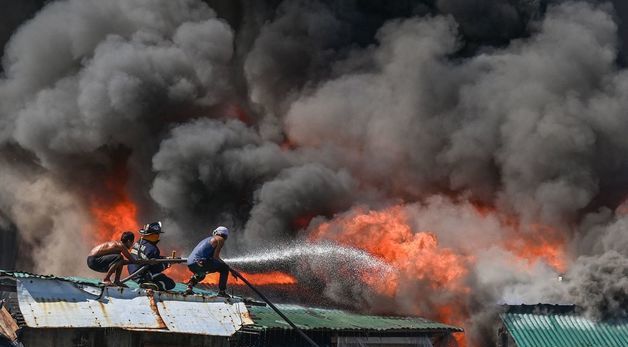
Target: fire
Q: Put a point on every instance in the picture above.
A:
(535, 242)
(424, 266)
(261, 279)
(417, 255)
(541, 243)
(111, 221)
(115, 212)
(181, 274)
(387, 235)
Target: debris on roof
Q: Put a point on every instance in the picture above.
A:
(561, 326)
(308, 318)
(8, 326)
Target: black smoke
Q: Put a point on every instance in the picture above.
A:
(265, 115)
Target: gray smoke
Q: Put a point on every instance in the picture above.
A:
(296, 113)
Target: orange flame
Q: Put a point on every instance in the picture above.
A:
(533, 243)
(181, 274)
(261, 279)
(111, 221)
(418, 256)
(115, 212)
(542, 243)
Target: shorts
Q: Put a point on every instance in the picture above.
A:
(103, 263)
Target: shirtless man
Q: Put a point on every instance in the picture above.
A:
(108, 257)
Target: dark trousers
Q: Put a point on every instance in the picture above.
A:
(163, 282)
(210, 266)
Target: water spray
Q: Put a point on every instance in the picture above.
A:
(315, 255)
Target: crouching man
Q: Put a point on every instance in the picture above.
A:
(110, 257)
(146, 249)
(205, 258)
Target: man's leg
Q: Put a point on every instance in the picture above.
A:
(117, 268)
(224, 275)
(223, 269)
(116, 279)
(198, 274)
(163, 282)
(109, 263)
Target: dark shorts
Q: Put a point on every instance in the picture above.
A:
(209, 266)
(103, 263)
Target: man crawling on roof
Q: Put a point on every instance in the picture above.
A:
(110, 257)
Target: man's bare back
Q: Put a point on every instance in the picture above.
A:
(111, 247)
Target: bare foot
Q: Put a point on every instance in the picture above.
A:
(107, 283)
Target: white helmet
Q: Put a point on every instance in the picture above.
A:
(222, 231)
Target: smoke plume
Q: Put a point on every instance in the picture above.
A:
(478, 149)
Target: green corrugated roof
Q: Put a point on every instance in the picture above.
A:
(564, 330)
(308, 318)
(180, 287)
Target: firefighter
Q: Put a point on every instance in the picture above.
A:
(205, 258)
(146, 248)
(109, 257)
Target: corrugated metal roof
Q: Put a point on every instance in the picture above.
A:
(308, 318)
(53, 303)
(185, 316)
(564, 330)
(179, 287)
(49, 305)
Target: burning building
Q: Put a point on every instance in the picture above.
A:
(428, 158)
(51, 311)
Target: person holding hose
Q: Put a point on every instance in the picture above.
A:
(205, 258)
(146, 249)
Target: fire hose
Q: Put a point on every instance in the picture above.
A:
(307, 338)
(149, 262)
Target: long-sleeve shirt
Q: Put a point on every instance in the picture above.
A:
(146, 250)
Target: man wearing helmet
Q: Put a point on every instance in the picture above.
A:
(205, 258)
(146, 248)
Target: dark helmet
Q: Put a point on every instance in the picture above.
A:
(152, 228)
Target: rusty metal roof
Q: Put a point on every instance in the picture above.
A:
(50, 301)
(54, 302)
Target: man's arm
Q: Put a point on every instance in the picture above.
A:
(126, 254)
(219, 243)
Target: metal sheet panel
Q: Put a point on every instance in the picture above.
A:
(54, 303)
(308, 318)
(198, 315)
(60, 304)
(564, 330)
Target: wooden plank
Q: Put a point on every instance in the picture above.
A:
(8, 326)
